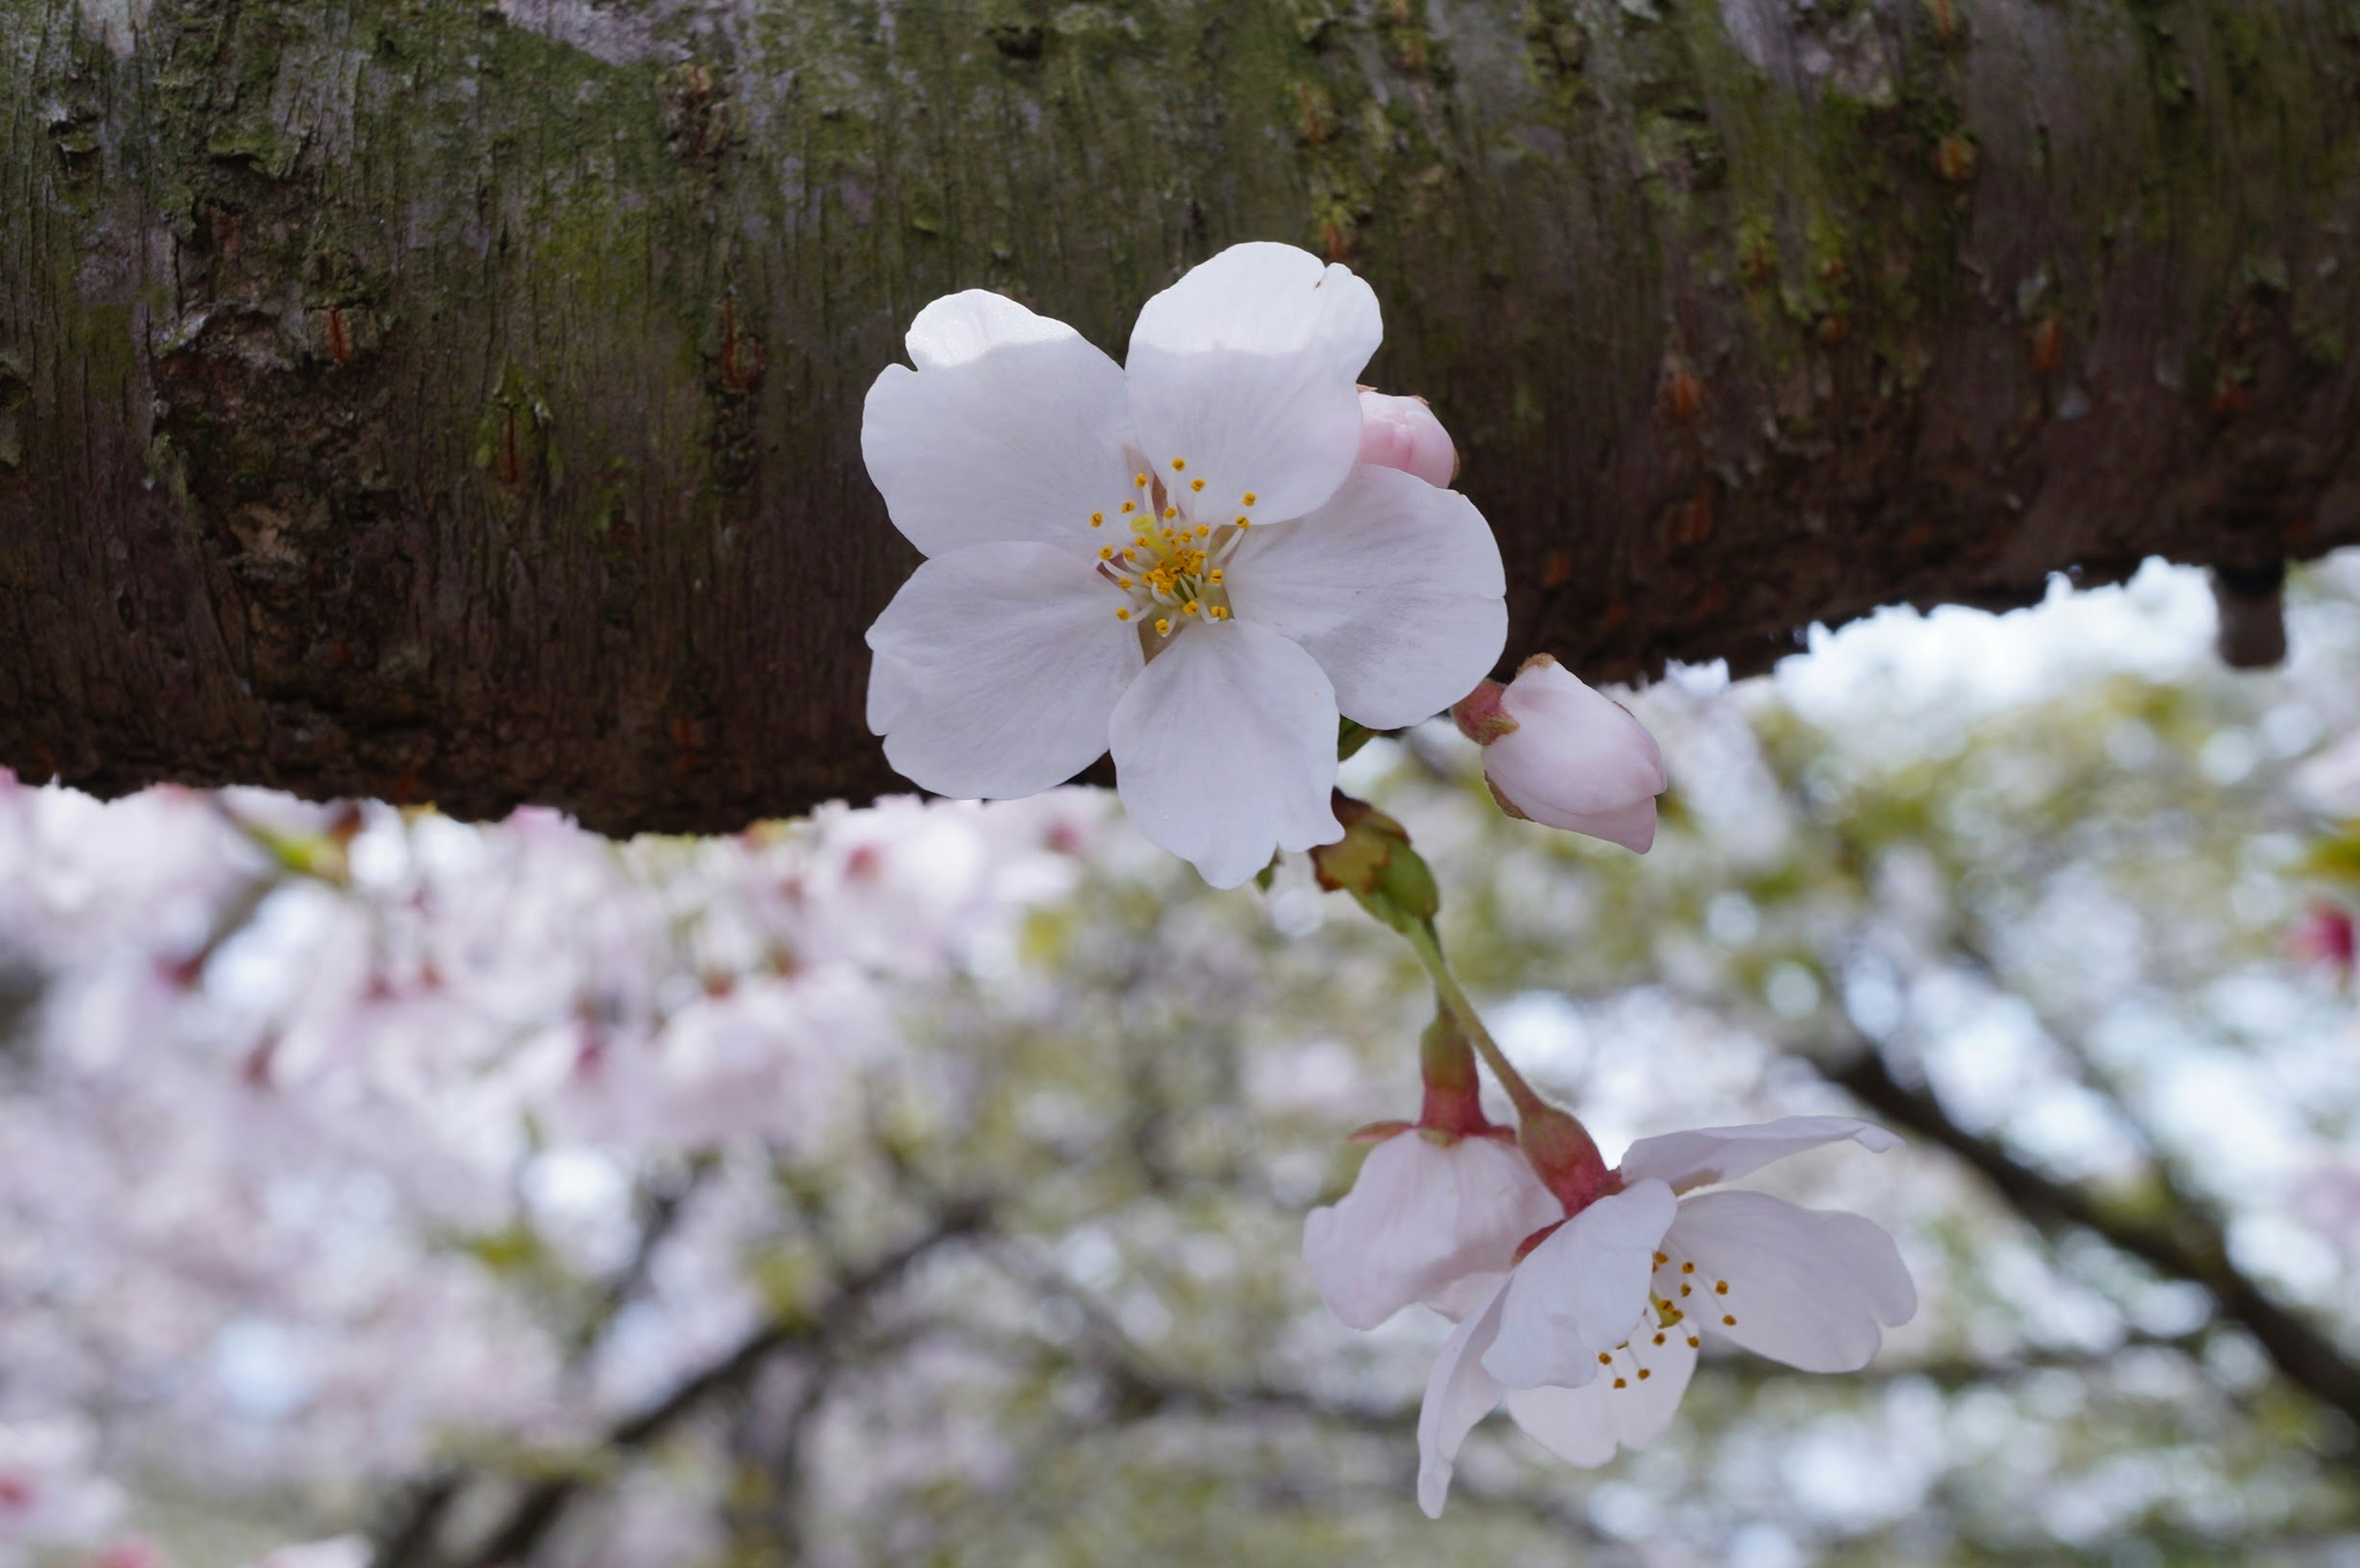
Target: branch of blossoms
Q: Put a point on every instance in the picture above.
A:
(1224, 563)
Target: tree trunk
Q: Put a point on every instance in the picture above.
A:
(461, 401)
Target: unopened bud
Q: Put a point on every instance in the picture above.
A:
(1557, 753)
(1402, 432)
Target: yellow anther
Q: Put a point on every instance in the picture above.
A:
(1106, 552)
(1684, 1289)
(1178, 464)
(1162, 626)
(1604, 1359)
(1659, 1339)
(1621, 1382)
(1643, 1373)
(1727, 1321)
(1243, 524)
(1128, 507)
(1721, 1288)
(1189, 608)
(1122, 582)
(1688, 1267)
(1203, 529)
(1139, 480)
(1694, 1342)
(1195, 485)
(1250, 497)
(1215, 578)
(1097, 519)
(1661, 1260)
(1123, 614)
(1220, 613)
(1170, 513)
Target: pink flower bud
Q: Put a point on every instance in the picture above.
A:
(1402, 432)
(1557, 753)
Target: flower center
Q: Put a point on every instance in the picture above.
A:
(1171, 568)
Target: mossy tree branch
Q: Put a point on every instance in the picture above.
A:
(460, 402)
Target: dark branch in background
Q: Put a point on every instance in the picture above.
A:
(2190, 1249)
(533, 1515)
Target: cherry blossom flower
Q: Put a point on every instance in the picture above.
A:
(1432, 1217)
(1402, 432)
(1181, 560)
(1557, 753)
(1593, 1336)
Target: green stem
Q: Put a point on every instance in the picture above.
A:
(1428, 948)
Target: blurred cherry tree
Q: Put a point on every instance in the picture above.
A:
(926, 1183)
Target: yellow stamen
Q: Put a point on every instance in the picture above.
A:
(1163, 627)
(1727, 1321)
(1128, 507)
(1203, 529)
(1721, 1288)
(1661, 1260)
(1659, 1339)
(1624, 1382)
(1694, 1342)
(1122, 582)
(1250, 497)
(1604, 1359)
(1216, 579)
(1195, 485)
(1106, 552)
(1139, 480)
(1688, 1267)
(1643, 1373)
(1170, 513)
(1189, 608)
(1097, 519)
(1178, 464)
(1684, 1289)
(1123, 614)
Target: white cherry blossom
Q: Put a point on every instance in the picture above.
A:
(1593, 1336)
(1429, 1216)
(1181, 560)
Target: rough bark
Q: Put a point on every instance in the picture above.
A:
(460, 402)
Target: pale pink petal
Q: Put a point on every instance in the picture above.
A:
(1467, 1292)
(1577, 759)
(1808, 1287)
(1245, 371)
(1421, 1216)
(2329, 782)
(1393, 586)
(1458, 1393)
(1704, 1155)
(1402, 432)
(1580, 1293)
(1012, 426)
(1225, 749)
(997, 669)
(1627, 1406)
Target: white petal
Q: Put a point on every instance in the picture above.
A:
(1584, 1426)
(1393, 586)
(1247, 370)
(1420, 1217)
(1403, 432)
(997, 668)
(1808, 1287)
(1012, 426)
(1466, 1293)
(1577, 758)
(1225, 749)
(1686, 1160)
(1459, 1394)
(1582, 1291)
